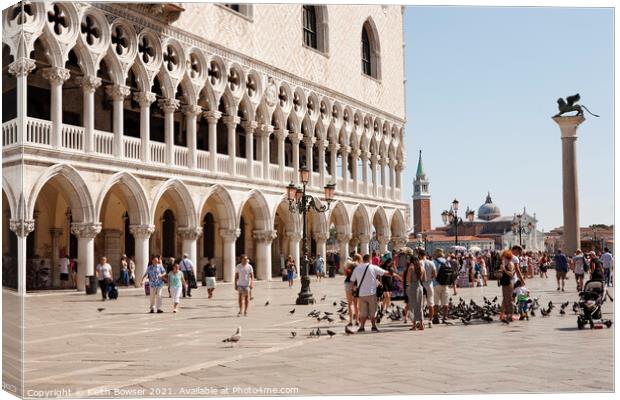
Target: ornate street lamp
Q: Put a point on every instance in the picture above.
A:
(452, 218)
(519, 228)
(300, 202)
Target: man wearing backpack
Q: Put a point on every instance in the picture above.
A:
(446, 276)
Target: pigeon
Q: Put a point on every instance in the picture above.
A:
(342, 318)
(267, 303)
(292, 311)
(293, 334)
(100, 309)
(551, 306)
(348, 331)
(330, 333)
(324, 297)
(330, 319)
(506, 321)
(494, 299)
(234, 338)
(544, 312)
(318, 332)
(335, 304)
(532, 313)
(328, 313)
(465, 322)
(487, 318)
(562, 312)
(311, 334)
(447, 322)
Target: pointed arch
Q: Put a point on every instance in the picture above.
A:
(380, 221)
(8, 191)
(225, 205)
(181, 196)
(138, 207)
(398, 227)
(341, 217)
(260, 210)
(360, 212)
(371, 49)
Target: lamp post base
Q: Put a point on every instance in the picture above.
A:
(305, 295)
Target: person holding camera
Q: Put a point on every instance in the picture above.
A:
(364, 282)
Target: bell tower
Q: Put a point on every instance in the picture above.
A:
(421, 200)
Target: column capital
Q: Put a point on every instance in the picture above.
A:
(249, 126)
(374, 158)
(212, 116)
(87, 230)
(363, 237)
(168, 105)
(118, 92)
(321, 236)
(22, 227)
(355, 152)
(231, 120)
(230, 234)
(265, 130)
(392, 162)
(309, 140)
(334, 146)
(294, 236)
(568, 125)
(321, 143)
(343, 237)
(145, 99)
(345, 149)
(190, 232)
(56, 75)
(191, 109)
(382, 160)
(383, 240)
(281, 133)
(142, 231)
(22, 66)
(400, 166)
(365, 155)
(90, 83)
(295, 138)
(399, 241)
(265, 236)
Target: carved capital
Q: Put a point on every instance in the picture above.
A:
(355, 152)
(168, 105)
(374, 158)
(383, 240)
(364, 238)
(192, 109)
(399, 241)
(212, 116)
(294, 236)
(142, 231)
(118, 92)
(56, 75)
(309, 140)
(265, 236)
(145, 99)
(249, 127)
(230, 235)
(85, 229)
(22, 66)
(321, 236)
(21, 227)
(264, 130)
(343, 237)
(383, 161)
(190, 233)
(230, 120)
(295, 138)
(345, 149)
(365, 155)
(281, 134)
(334, 147)
(90, 83)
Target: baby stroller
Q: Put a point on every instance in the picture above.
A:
(590, 302)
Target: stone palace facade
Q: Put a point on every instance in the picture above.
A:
(175, 128)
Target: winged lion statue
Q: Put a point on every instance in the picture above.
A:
(569, 105)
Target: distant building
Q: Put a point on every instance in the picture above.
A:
(421, 200)
(592, 238)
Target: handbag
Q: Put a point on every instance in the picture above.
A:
(356, 292)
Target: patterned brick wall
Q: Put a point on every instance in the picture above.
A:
(421, 215)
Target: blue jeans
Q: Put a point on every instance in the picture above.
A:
(522, 307)
(125, 277)
(608, 276)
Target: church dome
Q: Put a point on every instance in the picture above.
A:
(488, 210)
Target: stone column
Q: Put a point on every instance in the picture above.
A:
(281, 135)
(264, 238)
(231, 123)
(343, 242)
(118, 93)
(86, 233)
(345, 150)
(141, 235)
(21, 68)
(333, 148)
(89, 86)
(21, 228)
(364, 241)
(229, 236)
(293, 241)
(392, 165)
(54, 273)
(145, 99)
(398, 241)
(212, 118)
(249, 127)
(56, 77)
(309, 141)
(374, 159)
(383, 162)
(570, 189)
(399, 170)
(321, 148)
(383, 244)
(295, 138)
(321, 243)
(191, 112)
(169, 106)
(190, 236)
(364, 156)
(354, 155)
(265, 135)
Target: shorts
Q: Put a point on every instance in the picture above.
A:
(210, 282)
(367, 306)
(175, 294)
(243, 290)
(560, 274)
(441, 295)
(430, 293)
(64, 277)
(290, 275)
(579, 276)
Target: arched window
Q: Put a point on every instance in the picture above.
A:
(168, 234)
(371, 65)
(315, 28)
(240, 243)
(208, 229)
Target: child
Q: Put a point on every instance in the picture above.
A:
(175, 280)
(523, 300)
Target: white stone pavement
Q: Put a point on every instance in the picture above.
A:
(123, 350)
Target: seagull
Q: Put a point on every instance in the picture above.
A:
(100, 309)
(348, 331)
(330, 333)
(234, 338)
(292, 311)
(267, 303)
(293, 334)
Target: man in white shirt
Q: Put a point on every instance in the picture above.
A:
(104, 276)
(63, 264)
(364, 277)
(516, 261)
(244, 282)
(608, 265)
(187, 267)
(431, 274)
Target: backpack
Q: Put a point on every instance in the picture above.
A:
(446, 275)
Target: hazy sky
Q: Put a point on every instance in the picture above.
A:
(482, 85)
